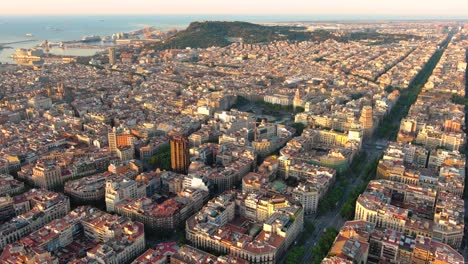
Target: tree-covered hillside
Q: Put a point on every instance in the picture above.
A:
(221, 33)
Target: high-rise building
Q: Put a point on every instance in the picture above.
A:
(179, 154)
(297, 101)
(366, 120)
(111, 56)
(121, 143)
(112, 139)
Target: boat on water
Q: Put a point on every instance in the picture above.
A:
(53, 29)
(29, 35)
(91, 38)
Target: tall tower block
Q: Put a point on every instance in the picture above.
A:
(179, 154)
(111, 56)
(367, 121)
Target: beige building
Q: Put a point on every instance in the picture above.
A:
(308, 196)
(366, 120)
(47, 175)
(279, 99)
(9, 185)
(282, 223)
(115, 239)
(38, 208)
(420, 211)
(449, 220)
(112, 56)
(432, 138)
(118, 189)
(362, 242)
(168, 214)
(88, 189)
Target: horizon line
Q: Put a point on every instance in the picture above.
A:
(431, 16)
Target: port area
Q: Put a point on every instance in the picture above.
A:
(17, 42)
(5, 44)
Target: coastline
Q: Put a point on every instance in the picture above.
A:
(73, 29)
(79, 47)
(76, 47)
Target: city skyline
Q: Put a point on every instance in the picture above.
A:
(233, 132)
(450, 8)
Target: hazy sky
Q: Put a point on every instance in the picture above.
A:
(340, 7)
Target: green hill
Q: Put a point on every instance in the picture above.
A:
(219, 33)
(216, 33)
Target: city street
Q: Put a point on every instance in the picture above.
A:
(333, 218)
